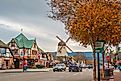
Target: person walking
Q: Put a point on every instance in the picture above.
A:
(115, 66)
(25, 65)
(119, 67)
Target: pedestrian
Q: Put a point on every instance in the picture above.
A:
(115, 66)
(25, 65)
(119, 67)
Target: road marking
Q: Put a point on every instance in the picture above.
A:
(76, 74)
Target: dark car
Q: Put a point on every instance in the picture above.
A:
(74, 68)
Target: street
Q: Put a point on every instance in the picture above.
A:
(86, 75)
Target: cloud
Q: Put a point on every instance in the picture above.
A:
(31, 16)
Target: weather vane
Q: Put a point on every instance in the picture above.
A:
(21, 30)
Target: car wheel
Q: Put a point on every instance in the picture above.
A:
(77, 70)
(80, 70)
(69, 70)
(53, 70)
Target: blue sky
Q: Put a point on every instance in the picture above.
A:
(31, 16)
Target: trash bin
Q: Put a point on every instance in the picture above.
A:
(111, 71)
(107, 72)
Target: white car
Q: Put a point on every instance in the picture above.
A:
(59, 67)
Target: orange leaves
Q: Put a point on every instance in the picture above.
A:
(92, 19)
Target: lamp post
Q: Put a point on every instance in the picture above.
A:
(23, 57)
(99, 45)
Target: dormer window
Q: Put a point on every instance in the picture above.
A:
(12, 44)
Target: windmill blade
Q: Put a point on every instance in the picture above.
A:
(69, 48)
(60, 39)
(60, 49)
(68, 39)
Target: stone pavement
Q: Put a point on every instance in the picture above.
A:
(28, 70)
(117, 76)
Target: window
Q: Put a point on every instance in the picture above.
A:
(12, 44)
(34, 52)
(2, 51)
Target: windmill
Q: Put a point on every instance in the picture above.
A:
(62, 48)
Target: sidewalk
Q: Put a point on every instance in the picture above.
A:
(117, 76)
(28, 70)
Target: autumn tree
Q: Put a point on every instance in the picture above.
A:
(89, 20)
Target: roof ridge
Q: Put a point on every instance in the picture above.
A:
(23, 41)
(21, 34)
(2, 44)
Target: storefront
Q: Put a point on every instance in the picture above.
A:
(1, 62)
(6, 58)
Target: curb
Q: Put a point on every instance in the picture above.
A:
(21, 70)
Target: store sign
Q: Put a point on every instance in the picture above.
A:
(99, 46)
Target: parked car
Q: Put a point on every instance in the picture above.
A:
(75, 68)
(59, 67)
(89, 66)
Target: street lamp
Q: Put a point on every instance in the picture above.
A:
(99, 46)
(23, 57)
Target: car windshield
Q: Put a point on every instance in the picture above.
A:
(59, 65)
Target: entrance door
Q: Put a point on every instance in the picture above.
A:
(7, 64)
(16, 63)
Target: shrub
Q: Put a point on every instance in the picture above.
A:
(34, 67)
(40, 66)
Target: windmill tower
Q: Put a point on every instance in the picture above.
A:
(62, 49)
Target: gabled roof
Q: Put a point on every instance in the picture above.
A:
(23, 42)
(3, 45)
(40, 50)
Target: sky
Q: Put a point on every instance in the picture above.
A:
(31, 16)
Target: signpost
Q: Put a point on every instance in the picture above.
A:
(99, 45)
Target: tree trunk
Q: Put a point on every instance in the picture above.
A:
(94, 65)
(92, 42)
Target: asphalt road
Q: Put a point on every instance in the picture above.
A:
(86, 75)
